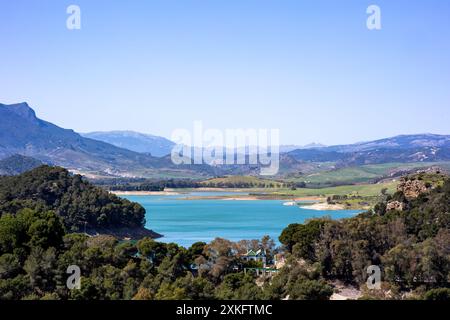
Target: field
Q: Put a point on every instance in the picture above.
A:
(363, 174)
(362, 196)
(363, 190)
(241, 181)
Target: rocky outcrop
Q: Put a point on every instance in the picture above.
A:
(395, 205)
(412, 188)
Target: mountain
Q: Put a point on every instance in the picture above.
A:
(317, 155)
(134, 141)
(22, 132)
(313, 145)
(17, 164)
(414, 141)
(403, 149)
(291, 147)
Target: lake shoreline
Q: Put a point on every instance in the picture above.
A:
(323, 206)
(316, 203)
(229, 197)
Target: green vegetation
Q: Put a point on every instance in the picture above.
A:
(411, 246)
(361, 190)
(241, 182)
(363, 174)
(35, 252)
(432, 180)
(440, 294)
(79, 203)
(142, 184)
(38, 210)
(353, 202)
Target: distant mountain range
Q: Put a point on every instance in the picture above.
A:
(134, 141)
(131, 154)
(288, 148)
(404, 149)
(160, 146)
(414, 141)
(21, 132)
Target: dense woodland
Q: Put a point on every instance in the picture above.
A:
(76, 201)
(141, 184)
(412, 246)
(38, 210)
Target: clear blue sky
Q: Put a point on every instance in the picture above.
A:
(310, 68)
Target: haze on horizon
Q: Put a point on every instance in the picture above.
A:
(311, 69)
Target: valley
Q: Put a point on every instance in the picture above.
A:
(133, 155)
(224, 157)
(114, 194)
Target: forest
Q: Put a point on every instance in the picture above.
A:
(41, 209)
(76, 201)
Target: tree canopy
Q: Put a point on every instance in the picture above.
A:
(78, 202)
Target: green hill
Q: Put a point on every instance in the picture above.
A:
(81, 205)
(364, 174)
(409, 242)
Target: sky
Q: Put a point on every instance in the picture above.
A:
(311, 69)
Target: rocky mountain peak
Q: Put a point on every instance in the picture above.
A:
(21, 109)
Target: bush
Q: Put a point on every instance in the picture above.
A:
(441, 294)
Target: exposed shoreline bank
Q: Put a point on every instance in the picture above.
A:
(323, 206)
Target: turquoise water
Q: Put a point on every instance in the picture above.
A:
(187, 221)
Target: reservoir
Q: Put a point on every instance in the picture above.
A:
(187, 221)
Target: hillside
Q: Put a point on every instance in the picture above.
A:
(399, 153)
(402, 149)
(320, 257)
(82, 206)
(21, 132)
(398, 142)
(365, 174)
(17, 164)
(134, 141)
(410, 243)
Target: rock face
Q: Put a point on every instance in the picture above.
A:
(411, 188)
(395, 205)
